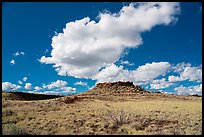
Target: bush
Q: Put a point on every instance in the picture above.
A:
(120, 119)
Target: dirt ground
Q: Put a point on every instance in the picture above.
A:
(139, 114)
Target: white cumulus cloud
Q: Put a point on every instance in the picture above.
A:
(86, 46)
(173, 78)
(112, 73)
(192, 73)
(150, 71)
(160, 84)
(12, 62)
(190, 90)
(28, 86)
(126, 62)
(58, 87)
(142, 75)
(25, 78)
(180, 67)
(37, 88)
(81, 83)
(7, 86)
(57, 84)
(187, 72)
(18, 53)
(20, 82)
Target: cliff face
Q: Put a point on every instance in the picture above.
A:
(116, 87)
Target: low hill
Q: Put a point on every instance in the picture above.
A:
(26, 96)
(118, 108)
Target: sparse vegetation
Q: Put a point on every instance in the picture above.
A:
(12, 129)
(104, 113)
(119, 119)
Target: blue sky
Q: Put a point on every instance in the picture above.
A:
(162, 51)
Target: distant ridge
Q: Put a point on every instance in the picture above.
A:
(27, 96)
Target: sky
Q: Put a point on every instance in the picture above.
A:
(66, 48)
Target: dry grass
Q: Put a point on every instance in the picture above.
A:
(12, 129)
(138, 114)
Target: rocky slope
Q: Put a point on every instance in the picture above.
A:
(116, 87)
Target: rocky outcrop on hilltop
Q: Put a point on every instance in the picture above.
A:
(116, 87)
(115, 84)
